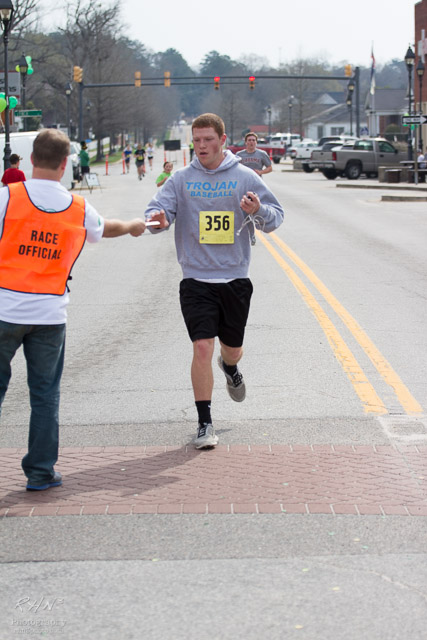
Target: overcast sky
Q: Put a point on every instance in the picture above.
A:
(277, 30)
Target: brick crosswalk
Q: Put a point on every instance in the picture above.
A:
(304, 479)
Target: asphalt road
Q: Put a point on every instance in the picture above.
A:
(335, 354)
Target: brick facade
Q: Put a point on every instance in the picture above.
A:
(420, 24)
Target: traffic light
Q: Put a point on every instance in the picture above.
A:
(251, 82)
(78, 74)
(137, 78)
(347, 70)
(216, 82)
(167, 78)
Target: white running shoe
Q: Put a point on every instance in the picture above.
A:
(235, 384)
(205, 436)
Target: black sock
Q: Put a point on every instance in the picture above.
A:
(230, 368)
(204, 411)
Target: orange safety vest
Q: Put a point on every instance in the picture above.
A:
(39, 248)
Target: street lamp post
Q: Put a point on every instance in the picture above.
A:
(290, 105)
(350, 110)
(350, 87)
(6, 14)
(68, 90)
(409, 61)
(88, 108)
(269, 120)
(420, 73)
(23, 68)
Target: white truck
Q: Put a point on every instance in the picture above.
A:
(22, 144)
(284, 141)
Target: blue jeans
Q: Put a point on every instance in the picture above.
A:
(44, 347)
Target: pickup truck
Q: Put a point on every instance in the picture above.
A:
(364, 156)
(275, 153)
(326, 144)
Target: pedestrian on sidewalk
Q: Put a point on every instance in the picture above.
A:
(166, 173)
(84, 158)
(213, 202)
(43, 229)
(254, 158)
(13, 173)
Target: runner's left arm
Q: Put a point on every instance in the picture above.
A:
(262, 202)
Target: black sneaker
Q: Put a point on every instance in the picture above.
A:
(235, 383)
(205, 436)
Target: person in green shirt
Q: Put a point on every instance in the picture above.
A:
(84, 158)
(167, 170)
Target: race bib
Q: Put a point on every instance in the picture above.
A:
(216, 227)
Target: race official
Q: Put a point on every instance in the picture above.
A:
(43, 229)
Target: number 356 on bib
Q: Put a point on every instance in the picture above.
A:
(216, 227)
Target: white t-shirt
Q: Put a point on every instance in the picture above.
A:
(34, 308)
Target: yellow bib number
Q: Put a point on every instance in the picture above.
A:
(216, 227)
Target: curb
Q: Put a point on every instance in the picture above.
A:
(381, 186)
(403, 198)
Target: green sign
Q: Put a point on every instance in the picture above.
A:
(28, 113)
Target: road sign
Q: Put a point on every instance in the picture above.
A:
(416, 119)
(28, 113)
(14, 82)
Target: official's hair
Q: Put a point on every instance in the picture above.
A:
(251, 133)
(209, 120)
(50, 148)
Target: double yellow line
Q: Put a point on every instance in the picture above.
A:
(371, 402)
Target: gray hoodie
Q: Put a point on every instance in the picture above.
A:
(194, 189)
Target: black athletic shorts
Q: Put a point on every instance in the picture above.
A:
(216, 309)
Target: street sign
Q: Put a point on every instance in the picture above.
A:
(14, 82)
(28, 113)
(416, 119)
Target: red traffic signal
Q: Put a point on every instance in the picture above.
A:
(251, 82)
(216, 82)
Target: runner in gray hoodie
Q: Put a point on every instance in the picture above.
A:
(215, 203)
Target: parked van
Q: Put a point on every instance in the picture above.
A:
(22, 144)
(285, 139)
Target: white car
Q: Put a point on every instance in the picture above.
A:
(302, 150)
(75, 159)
